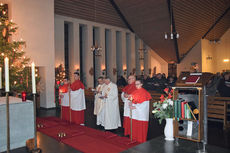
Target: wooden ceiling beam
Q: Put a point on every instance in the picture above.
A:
(121, 15)
(217, 21)
(174, 30)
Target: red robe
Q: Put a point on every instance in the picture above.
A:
(140, 115)
(64, 88)
(129, 88)
(65, 114)
(77, 116)
(77, 85)
(126, 120)
(140, 95)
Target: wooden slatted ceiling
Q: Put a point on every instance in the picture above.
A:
(220, 28)
(93, 10)
(149, 20)
(193, 18)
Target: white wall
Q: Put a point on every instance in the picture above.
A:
(193, 56)
(208, 56)
(156, 61)
(35, 20)
(222, 51)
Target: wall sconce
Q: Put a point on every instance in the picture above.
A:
(125, 71)
(226, 60)
(96, 49)
(150, 71)
(104, 72)
(142, 51)
(217, 41)
(142, 72)
(209, 57)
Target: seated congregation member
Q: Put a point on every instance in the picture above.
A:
(211, 87)
(140, 112)
(77, 96)
(194, 67)
(126, 92)
(121, 82)
(99, 102)
(111, 107)
(64, 94)
(170, 82)
(224, 85)
(159, 83)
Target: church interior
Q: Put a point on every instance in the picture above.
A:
(61, 61)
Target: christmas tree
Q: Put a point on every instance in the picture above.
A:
(19, 66)
(59, 77)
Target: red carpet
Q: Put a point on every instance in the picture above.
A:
(83, 138)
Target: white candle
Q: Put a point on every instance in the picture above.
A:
(7, 87)
(33, 78)
(0, 78)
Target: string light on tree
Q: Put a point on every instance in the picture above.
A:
(14, 50)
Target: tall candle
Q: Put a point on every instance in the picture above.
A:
(7, 87)
(0, 78)
(33, 78)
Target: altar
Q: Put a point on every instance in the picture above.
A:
(21, 122)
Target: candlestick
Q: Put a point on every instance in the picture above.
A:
(7, 88)
(0, 78)
(33, 78)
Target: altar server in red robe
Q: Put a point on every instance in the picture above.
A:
(126, 91)
(77, 96)
(64, 94)
(140, 112)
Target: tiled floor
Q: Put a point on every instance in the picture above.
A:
(218, 139)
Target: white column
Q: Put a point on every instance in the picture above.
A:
(102, 43)
(74, 56)
(146, 60)
(97, 58)
(113, 56)
(128, 53)
(141, 61)
(59, 41)
(109, 68)
(88, 57)
(133, 54)
(119, 54)
(123, 48)
(137, 47)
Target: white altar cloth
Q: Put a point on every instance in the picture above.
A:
(21, 122)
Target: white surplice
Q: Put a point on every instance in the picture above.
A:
(99, 104)
(111, 107)
(78, 100)
(65, 99)
(126, 105)
(141, 113)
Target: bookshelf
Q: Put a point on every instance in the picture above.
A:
(194, 131)
(189, 128)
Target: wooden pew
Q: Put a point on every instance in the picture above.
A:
(217, 109)
(155, 98)
(89, 95)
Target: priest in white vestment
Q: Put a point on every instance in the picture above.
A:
(111, 107)
(99, 101)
